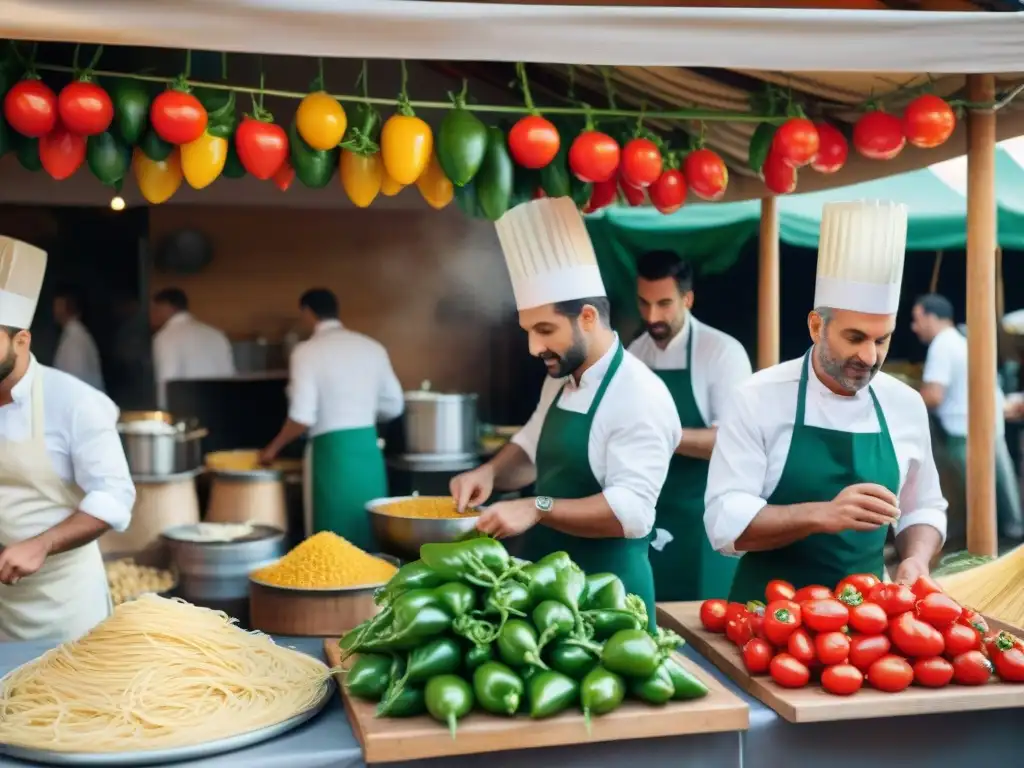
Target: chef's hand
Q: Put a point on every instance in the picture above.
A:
(860, 507)
(508, 518)
(22, 559)
(473, 488)
(910, 570)
(267, 456)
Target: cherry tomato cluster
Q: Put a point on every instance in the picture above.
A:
(927, 122)
(888, 635)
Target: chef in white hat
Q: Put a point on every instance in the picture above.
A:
(64, 480)
(816, 457)
(601, 439)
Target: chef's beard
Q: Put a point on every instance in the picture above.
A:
(570, 360)
(7, 364)
(850, 374)
(660, 331)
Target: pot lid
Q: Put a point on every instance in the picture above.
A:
(425, 395)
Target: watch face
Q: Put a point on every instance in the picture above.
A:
(545, 503)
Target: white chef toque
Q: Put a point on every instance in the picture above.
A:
(548, 253)
(22, 267)
(860, 256)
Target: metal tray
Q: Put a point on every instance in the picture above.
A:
(173, 754)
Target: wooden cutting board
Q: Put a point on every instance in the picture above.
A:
(812, 704)
(387, 740)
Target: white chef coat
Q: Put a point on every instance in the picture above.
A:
(188, 349)
(754, 437)
(720, 363)
(77, 354)
(634, 434)
(946, 365)
(341, 379)
(81, 439)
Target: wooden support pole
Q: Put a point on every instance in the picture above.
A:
(982, 538)
(768, 285)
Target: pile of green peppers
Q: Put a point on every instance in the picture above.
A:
(468, 627)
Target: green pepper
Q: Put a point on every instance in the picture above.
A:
(429, 621)
(553, 620)
(478, 655)
(478, 631)
(313, 168)
(233, 168)
(605, 623)
(555, 176)
(511, 597)
(517, 645)
(604, 591)
(480, 562)
(456, 598)
(631, 652)
(449, 697)
(460, 145)
(495, 178)
(369, 676)
(6, 139)
(686, 685)
(498, 689)
(414, 575)
(556, 577)
(571, 660)
(131, 100)
(27, 152)
(657, 688)
(760, 144)
(465, 198)
(109, 158)
(600, 692)
(155, 148)
(440, 656)
(409, 703)
(551, 692)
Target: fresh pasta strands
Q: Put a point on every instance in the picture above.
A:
(995, 588)
(157, 674)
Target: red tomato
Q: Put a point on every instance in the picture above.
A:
(779, 177)
(827, 615)
(668, 193)
(960, 639)
(842, 679)
(938, 609)
(634, 195)
(973, 620)
(832, 648)
(934, 672)
(778, 589)
(30, 107)
(641, 163)
(179, 118)
(1007, 654)
(735, 610)
(861, 582)
(914, 637)
(924, 586)
(928, 121)
(796, 142)
(262, 147)
(801, 646)
(894, 598)
(868, 619)
(878, 136)
(832, 149)
(61, 152)
(781, 619)
(755, 617)
(972, 668)
(594, 156)
(708, 176)
(891, 674)
(533, 141)
(757, 656)
(739, 631)
(713, 615)
(865, 650)
(789, 672)
(602, 195)
(85, 108)
(812, 592)
(284, 176)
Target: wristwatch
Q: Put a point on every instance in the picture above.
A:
(544, 504)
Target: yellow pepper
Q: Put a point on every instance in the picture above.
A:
(157, 180)
(321, 121)
(406, 145)
(361, 177)
(434, 186)
(389, 187)
(202, 160)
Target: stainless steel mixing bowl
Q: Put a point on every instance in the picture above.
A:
(403, 536)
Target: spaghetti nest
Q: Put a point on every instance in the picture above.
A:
(157, 674)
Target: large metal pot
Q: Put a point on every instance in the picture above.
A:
(157, 445)
(440, 424)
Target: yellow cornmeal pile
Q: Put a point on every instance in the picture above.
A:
(430, 507)
(326, 561)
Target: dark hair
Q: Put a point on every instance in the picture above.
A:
(657, 265)
(935, 304)
(321, 302)
(173, 296)
(10, 330)
(574, 307)
(72, 297)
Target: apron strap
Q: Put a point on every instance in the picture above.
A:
(689, 345)
(609, 375)
(801, 397)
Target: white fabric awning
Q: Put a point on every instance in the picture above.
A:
(738, 38)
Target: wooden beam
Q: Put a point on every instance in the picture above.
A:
(982, 535)
(768, 285)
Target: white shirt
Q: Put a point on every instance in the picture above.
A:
(634, 434)
(754, 437)
(720, 364)
(341, 379)
(81, 438)
(77, 354)
(188, 349)
(946, 365)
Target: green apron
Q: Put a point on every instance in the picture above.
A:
(563, 472)
(347, 471)
(687, 568)
(821, 463)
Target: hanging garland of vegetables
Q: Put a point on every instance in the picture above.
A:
(190, 132)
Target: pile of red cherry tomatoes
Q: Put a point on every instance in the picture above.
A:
(887, 635)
